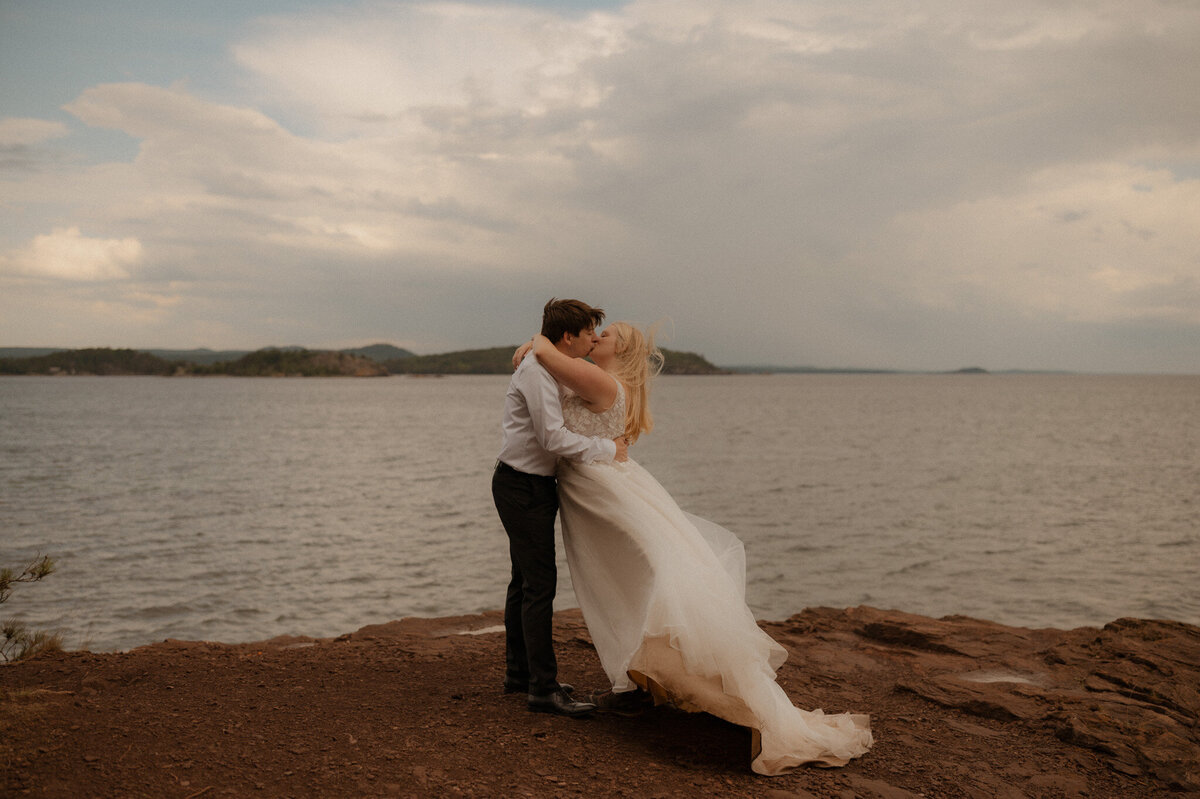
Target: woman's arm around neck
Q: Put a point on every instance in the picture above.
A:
(596, 387)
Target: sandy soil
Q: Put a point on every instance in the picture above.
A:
(414, 708)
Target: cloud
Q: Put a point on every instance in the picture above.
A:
(792, 182)
(22, 132)
(1091, 243)
(381, 62)
(66, 254)
(216, 173)
(22, 143)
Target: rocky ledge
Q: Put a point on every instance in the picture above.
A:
(959, 707)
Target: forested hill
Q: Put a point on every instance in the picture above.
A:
(262, 363)
(373, 361)
(498, 360)
(100, 361)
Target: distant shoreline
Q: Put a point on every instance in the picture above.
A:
(380, 360)
(376, 360)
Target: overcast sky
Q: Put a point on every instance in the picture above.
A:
(913, 185)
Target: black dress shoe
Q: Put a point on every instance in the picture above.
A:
(628, 703)
(559, 703)
(511, 687)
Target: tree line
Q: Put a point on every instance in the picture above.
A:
(294, 362)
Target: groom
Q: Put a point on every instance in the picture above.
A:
(526, 497)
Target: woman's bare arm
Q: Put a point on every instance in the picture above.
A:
(596, 387)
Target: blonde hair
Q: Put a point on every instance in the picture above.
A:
(637, 362)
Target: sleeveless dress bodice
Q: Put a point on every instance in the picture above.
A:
(579, 419)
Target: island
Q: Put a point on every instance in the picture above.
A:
(377, 360)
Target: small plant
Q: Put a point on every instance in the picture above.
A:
(18, 640)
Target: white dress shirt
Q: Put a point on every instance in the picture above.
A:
(534, 434)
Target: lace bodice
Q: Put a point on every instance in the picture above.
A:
(609, 424)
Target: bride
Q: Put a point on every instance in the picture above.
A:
(662, 591)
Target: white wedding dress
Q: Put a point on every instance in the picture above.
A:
(663, 594)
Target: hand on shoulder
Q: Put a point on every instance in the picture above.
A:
(520, 353)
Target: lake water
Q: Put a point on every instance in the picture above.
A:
(239, 509)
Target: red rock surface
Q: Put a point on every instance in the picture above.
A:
(960, 708)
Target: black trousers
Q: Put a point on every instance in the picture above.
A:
(528, 504)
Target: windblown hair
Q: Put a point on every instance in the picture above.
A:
(638, 362)
(560, 317)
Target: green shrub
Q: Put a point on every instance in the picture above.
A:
(18, 640)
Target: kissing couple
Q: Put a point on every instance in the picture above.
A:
(662, 591)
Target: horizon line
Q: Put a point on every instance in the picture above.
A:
(744, 368)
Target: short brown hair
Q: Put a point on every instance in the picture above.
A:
(560, 317)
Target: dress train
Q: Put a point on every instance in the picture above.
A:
(663, 596)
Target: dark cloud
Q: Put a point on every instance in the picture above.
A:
(1000, 185)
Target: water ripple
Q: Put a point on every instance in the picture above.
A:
(242, 509)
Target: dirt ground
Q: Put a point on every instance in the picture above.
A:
(415, 708)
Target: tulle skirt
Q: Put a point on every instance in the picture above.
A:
(663, 593)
